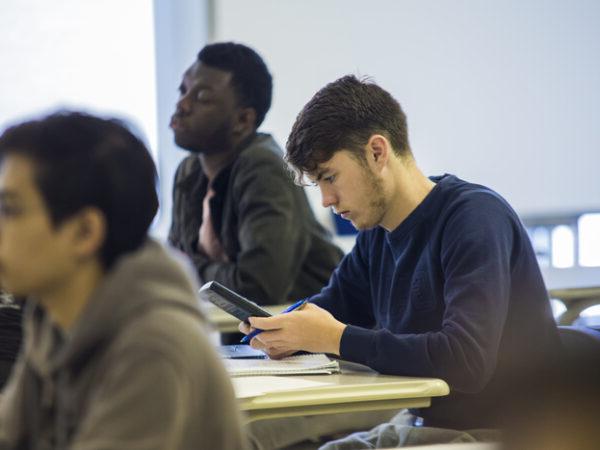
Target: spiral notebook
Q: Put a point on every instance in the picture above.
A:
(314, 363)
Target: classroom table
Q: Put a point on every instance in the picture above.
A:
(356, 388)
(576, 300)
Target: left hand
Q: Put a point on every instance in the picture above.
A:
(310, 328)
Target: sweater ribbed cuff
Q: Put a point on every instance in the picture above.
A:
(355, 344)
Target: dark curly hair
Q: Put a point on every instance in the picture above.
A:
(343, 116)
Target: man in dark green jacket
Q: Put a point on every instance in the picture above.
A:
(236, 212)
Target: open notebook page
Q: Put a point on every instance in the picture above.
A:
(293, 365)
(246, 387)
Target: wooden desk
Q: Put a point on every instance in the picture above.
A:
(225, 322)
(356, 389)
(576, 300)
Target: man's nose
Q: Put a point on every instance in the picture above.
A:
(328, 197)
(183, 105)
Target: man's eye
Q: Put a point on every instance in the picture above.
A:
(203, 97)
(330, 178)
(8, 211)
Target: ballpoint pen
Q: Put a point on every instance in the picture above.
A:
(290, 308)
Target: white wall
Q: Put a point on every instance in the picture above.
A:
(502, 93)
(109, 57)
(182, 29)
(96, 56)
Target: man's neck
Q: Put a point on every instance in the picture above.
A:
(409, 188)
(66, 302)
(213, 163)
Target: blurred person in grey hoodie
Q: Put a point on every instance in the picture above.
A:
(114, 355)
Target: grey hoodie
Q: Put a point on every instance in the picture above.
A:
(136, 371)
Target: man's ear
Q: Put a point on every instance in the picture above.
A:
(378, 151)
(89, 232)
(245, 121)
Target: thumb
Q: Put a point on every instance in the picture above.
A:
(265, 323)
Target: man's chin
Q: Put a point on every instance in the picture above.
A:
(185, 144)
(205, 146)
(362, 226)
(358, 225)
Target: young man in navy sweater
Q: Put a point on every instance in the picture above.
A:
(442, 281)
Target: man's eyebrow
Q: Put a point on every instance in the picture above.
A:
(205, 86)
(196, 86)
(322, 172)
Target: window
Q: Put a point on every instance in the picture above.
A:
(566, 242)
(563, 247)
(589, 240)
(540, 238)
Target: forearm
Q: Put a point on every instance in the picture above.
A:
(441, 355)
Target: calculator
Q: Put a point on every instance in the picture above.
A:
(231, 302)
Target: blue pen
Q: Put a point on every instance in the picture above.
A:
(290, 308)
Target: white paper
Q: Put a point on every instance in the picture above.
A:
(293, 365)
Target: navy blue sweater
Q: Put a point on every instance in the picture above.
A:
(454, 292)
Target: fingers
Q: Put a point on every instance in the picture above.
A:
(272, 339)
(280, 354)
(272, 343)
(268, 323)
(244, 328)
(273, 352)
(280, 320)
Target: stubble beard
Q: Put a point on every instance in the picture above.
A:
(377, 204)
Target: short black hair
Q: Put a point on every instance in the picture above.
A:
(79, 161)
(251, 79)
(343, 116)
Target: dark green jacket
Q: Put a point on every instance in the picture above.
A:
(277, 250)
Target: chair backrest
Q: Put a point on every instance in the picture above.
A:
(556, 405)
(579, 340)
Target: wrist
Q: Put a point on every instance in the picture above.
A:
(336, 338)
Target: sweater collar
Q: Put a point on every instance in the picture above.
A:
(428, 207)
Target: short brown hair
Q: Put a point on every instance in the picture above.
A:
(343, 116)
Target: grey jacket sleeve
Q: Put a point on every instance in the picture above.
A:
(147, 403)
(136, 407)
(11, 409)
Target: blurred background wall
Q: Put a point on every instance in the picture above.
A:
(506, 94)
